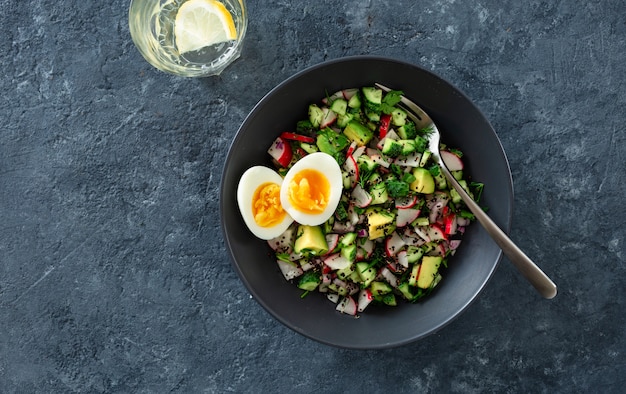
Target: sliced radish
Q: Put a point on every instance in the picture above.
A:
(337, 261)
(348, 93)
(282, 243)
(436, 233)
(332, 240)
(389, 276)
(450, 224)
(410, 238)
(393, 244)
(436, 204)
(403, 259)
(439, 250)
(351, 149)
(365, 298)
(280, 150)
(411, 160)
(358, 152)
(333, 297)
(452, 161)
(333, 97)
(406, 202)
(353, 216)
(348, 306)
(406, 216)
(376, 158)
(329, 117)
(352, 169)
(360, 197)
(365, 250)
(289, 270)
(422, 232)
(342, 228)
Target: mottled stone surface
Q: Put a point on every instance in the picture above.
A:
(113, 272)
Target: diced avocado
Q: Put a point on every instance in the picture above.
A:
(309, 281)
(358, 133)
(398, 117)
(379, 194)
(332, 143)
(316, 115)
(310, 240)
(392, 148)
(339, 106)
(380, 223)
(424, 182)
(373, 95)
(380, 288)
(366, 273)
(405, 290)
(428, 272)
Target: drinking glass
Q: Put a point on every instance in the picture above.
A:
(166, 46)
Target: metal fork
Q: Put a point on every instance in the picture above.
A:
(540, 281)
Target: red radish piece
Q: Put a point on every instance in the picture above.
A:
(402, 258)
(449, 224)
(333, 97)
(360, 197)
(452, 161)
(358, 152)
(347, 306)
(333, 297)
(422, 232)
(281, 151)
(348, 93)
(393, 244)
(406, 216)
(337, 261)
(342, 228)
(332, 240)
(329, 117)
(365, 298)
(297, 137)
(353, 216)
(351, 149)
(289, 270)
(436, 233)
(282, 243)
(365, 250)
(352, 169)
(406, 202)
(410, 160)
(383, 127)
(440, 250)
(389, 276)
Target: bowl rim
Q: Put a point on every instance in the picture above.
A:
(230, 247)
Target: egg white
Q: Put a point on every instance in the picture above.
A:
(328, 166)
(248, 184)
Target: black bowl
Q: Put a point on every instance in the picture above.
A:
(462, 125)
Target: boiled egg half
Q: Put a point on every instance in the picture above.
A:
(258, 197)
(312, 188)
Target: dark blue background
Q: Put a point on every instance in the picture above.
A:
(113, 272)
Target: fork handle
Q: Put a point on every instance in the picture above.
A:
(523, 263)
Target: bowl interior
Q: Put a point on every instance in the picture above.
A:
(462, 125)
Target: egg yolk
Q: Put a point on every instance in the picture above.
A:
(266, 206)
(309, 191)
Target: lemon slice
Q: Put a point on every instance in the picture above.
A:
(201, 23)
